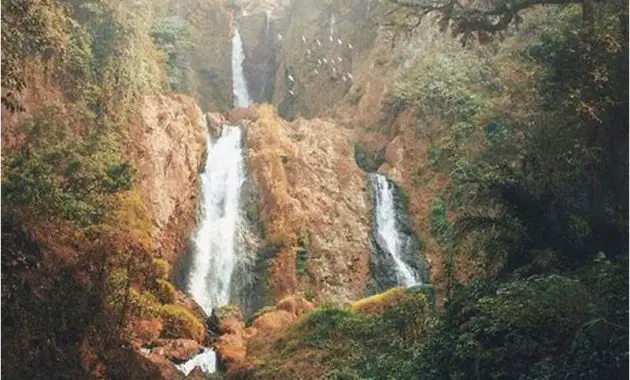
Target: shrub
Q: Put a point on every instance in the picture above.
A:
(301, 254)
(180, 322)
(521, 329)
(143, 304)
(162, 268)
(165, 291)
(378, 302)
(439, 223)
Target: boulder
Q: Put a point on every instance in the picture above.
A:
(176, 350)
(215, 122)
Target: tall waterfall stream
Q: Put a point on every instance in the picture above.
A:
(214, 254)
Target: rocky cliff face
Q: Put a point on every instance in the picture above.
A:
(260, 26)
(167, 148)
(314, 207)
(208, 57)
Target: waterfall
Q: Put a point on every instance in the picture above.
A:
(207, 361)
(386, 228)
(213, 243)
(267, 24)
(214, 257)
(332, 24)
(241, 95)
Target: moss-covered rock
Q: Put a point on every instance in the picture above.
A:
(179, 322)
(165, 291)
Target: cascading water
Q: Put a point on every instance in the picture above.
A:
(387, 229)
(267, 24)
(214, 241)
(332, 24)
(239, 88)
(214, 257)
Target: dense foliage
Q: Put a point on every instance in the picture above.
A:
(569, 325)
(531, 133)
(76, 268)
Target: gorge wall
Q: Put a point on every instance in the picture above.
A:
(305, 85)
(313, 207)
(167, 149)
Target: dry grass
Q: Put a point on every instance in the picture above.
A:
(280, 214)
(377, 303)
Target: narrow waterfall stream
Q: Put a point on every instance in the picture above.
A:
(214, 256)
(332, 25)
(239, 84)
(386, 228)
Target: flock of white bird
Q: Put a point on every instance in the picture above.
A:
(313, 54)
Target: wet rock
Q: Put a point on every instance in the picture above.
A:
(215, 121)
(176, 350)
(237, 115)
(382, 267)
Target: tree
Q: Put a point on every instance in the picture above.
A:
(484, 18)
(30, 29)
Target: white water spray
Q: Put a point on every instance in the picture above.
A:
(214, 258)
(214, 241)
(332, 24)
(387, 228)
(207, 361)
(241, 95)
(267, 24)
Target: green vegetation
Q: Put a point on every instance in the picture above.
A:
(301, 254)
(54, 173)
(75, 234)
(531, 134)
(373, 345)
(179, 322)
(521, 150)
(162, 268)
(539, 327)
(544, 326)
(439, 223)
(172, 36)
(165, 291)
(367, 157)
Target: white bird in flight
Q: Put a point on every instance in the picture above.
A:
(339, 41)
(349, 46)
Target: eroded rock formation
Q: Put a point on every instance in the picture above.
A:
(167, 149)
(313, 205)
